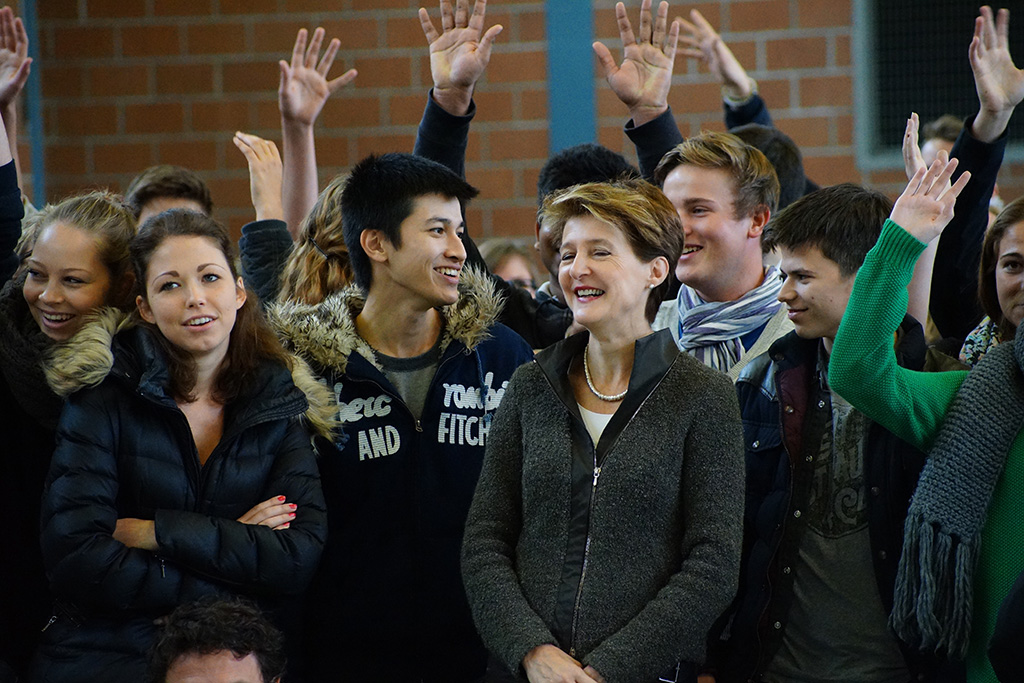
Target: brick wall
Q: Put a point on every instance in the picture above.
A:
(129, 84)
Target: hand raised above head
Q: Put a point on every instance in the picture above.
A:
(1000, 84)
(644, 78)
(14, 59)
(304, 87)
(703, 42)
(459, 53)
(926, 205)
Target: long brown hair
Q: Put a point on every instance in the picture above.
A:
(1008, 217)
(252, 343)
(318, 265)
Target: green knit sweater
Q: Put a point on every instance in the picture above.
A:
(912, 405)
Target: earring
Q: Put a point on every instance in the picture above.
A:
(651, 286)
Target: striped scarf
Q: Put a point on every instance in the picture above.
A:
(711, 330)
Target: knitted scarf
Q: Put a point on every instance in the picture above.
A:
(942, 535)
(711, 330)
(22, 349)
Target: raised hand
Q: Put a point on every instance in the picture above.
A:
(274, 512)
(926, 205)
(459, 54)
(703, 42)
(14, 59)
(644, 78)
(913, 160)
(304, 87)
(265, 170)
(1000, 84)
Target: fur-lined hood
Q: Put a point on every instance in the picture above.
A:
(325, 333)
(86, 359)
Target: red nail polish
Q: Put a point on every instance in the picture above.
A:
(291, 514)
(293, 506)
(281, 498)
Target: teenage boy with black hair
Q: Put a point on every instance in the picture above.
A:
(418, 366)
(827, 489)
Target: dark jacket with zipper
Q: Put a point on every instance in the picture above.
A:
(624, 553)
(786, 411)
(398, 489)
(124, 449)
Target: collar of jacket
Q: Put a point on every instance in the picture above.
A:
(653, 355)
(325, 333)
(110, 344)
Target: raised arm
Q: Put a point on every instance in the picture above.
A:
(14, 70)
(11, 210)
(265, 243)
(1000, 85)
(459, 55)
(264, 174)
(739, 91)
(919, 289)
(301, 96)
(862, 367)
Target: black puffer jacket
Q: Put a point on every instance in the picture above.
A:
(124, 449)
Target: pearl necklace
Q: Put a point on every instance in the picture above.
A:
(590, 383)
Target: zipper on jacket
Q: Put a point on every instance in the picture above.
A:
(163, 567)
(593, 495)
(583, 571)
(49, 623)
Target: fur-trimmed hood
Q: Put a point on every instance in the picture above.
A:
(87, 358)
(325, 333)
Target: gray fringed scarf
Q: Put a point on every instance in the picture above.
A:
(934, 596)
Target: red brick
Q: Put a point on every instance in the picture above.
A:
(354, 34)
(177, 8)
(893, 177)
(475, 221)
(154, 118)
(116, 158)
(494, 183)
(532, 27)
(831, 170)
(408, 109)
(823, 91)
(515, 221)
(796, 53)
(843, 51)
(259, 77)
(696, 97)
(73, 120)
(57, 10)
(709, 124)
(817, 13)
(758, 15)
(199, 155)
(529, 178)
(221, 116)
(267, 114)
(231, 192)
(383, 72)
(515, 67)
(775, 94)
(174, 79)
(146, 41)
(222, 38)
(746, 53)
(494, 105)
(806, 132)
(353, 112)
(56, 191)
(710, 11)
(533, 104)
(608, 103)
(303, 6)
(331, 151)
(519, 145)
(383, 4)
(63, 82)
(111, 81)
(474, 149)
(83, 41)
(64, 159)
(610, 137)
(844, 130)
(113, 9)
(606, 29)
(378, 144)
(407, 32)
(247, 6)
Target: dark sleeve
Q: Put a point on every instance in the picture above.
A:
(1004, 648)
(442, 137)
(255, 557)
(953, 303)
(753, 110)
(653, 139)
(11, 213)
(79, 513)
(508, 625)
(264, 248)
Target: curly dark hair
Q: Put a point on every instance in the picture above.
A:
(217, 625)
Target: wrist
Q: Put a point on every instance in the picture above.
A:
(268, 211)
(989, 124)
(738, 94)
(292, 124)
(454, 100)
(646, 113)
